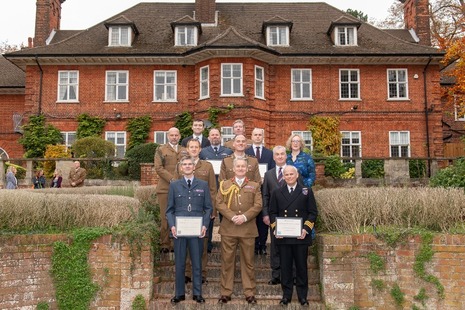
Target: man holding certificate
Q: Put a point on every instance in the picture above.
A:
(293, 213)
(188, 215)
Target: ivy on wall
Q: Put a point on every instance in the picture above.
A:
(325, 134)
(89, 126)
(138, 129)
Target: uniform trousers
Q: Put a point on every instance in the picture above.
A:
(274, 258)
(204, 260)
(260, 241)
(291, 254)
(228, 256)
(195, 246)
(165, 241)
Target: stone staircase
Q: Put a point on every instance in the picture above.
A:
(268, 296)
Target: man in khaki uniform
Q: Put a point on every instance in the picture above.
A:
(238, 129)
(77, 175)
(203, 170)
(166, 159)
(226, 169)
(239, 200)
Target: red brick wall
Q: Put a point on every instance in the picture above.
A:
(25, 280)
(346, 276)
(10, 104)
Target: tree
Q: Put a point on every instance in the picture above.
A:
(37, 135)
(358, 14)
(5, 47)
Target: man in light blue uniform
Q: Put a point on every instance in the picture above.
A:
(188, 196)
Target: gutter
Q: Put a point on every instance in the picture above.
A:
(425, 95)
(40, 85)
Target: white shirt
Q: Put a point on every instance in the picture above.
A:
(240, 181)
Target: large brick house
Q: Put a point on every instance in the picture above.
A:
(278, 64)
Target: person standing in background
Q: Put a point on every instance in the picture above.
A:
(238, 129)
(56, 179)
(77, 175)
(301, 160)
(11, 181)
(197, 127)
(39, 180)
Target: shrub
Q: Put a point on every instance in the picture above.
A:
(94, 147)
(143, 153)
(336, 168)
(54, 151)
(37, 135)
(452, 176)
(417, 168)
(373, 168)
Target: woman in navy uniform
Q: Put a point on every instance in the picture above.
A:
(294, 201)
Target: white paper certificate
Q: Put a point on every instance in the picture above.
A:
(288, 227)
(216, 163)
(188, 226)
(263, 168)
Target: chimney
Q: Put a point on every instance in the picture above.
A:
(416, 17)
(48, 15)
(205, 11)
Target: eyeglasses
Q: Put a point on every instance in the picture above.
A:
(295, 141)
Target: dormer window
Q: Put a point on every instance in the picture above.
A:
(277, 36)
(186, 35)
(346, 36)
(120, 36)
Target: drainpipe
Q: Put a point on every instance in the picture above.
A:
(425, 95)
(40, 85)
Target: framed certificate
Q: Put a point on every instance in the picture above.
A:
(263, 168)
(216, 163)
(288, 227)
(188, 226)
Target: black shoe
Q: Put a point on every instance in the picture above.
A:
(164, 250)
(187, 279)
(177, 299)
(284, 301)
(263, 252)
(224, 299)
(209, 251)
(274, 282)
(204, 280)
(199, 299)
(251, 300)
(303, 302)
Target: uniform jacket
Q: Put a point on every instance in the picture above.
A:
(166, 159)
(11, 181)
(205, 142)
(180, 197)
(266, 156)
(306, 167)
(247, 200)
(77, 176)
(253, 173)
(209, 153)
(300, 204)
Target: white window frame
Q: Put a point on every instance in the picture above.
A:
(160, 137)
(298, 86)
(227, 133)
(395, 141)
(231, 80)
(66, 83)
(204, 78)
(350, 83)
(120, 88)
(3, 154)
(259, 82)
(166, 84)
(307, 136)
(67, 140)
(397, 83)
(277, 35)
(349, 34)
(116, 36)
(186, 35)
(117, 135)
(351, 136)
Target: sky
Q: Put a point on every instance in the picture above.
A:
(17, 18)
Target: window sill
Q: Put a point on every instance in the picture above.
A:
(165, 101)
(350, 99)
(260, 98)
(233, 95)
(203, 98)
(303, 99)
(398, 99)
(116, 101)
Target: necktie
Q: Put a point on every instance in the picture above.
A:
(291, 191)
(257, 154)
(189, 183)
(216, 149)
(280, 175)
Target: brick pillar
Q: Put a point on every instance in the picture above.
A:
(48, 16)
(148, 176)
(205, 11)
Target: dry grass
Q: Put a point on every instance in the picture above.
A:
(354, 210)
(63, 209)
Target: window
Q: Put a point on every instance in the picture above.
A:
(117, 86)
(160, 137)
(165, 85)
(301, 84)
(397, 83)
(119, 140)
(259, 82)
(68, 138)
(278, 36)
(68, 86)
(204, 82)
(349, 83)
(227, 133)
(399, 142)
(346, 36)
(460, 112)
(120, 36)
(231, 79)
(351, 144)
(307, 136)
(186, 36)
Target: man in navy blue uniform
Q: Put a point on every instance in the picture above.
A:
(264, 156)
(294, 201)
(188, 196)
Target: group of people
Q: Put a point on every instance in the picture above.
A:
(76, 177)
(253, 190)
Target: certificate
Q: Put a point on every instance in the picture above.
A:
(216, 163)
(288, 227)
(188, 226)
(263, 168)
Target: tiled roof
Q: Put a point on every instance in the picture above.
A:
(308, 37)
(11, 75)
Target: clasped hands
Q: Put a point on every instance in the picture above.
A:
(238, 219)
(175, 235)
